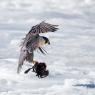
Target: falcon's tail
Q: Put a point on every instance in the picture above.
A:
(21, 61)
(19, 68)
(24, 55)
(20, 65)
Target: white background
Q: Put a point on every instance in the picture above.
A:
(71, 55)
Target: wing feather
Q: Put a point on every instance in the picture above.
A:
(43, 28)
(37, 29)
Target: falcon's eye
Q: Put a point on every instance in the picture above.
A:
(36, 37)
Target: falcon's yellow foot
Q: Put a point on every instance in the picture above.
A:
(35, 62)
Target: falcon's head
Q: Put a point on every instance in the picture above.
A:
(46, 40)
(43, 40)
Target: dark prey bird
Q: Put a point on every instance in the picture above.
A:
(34, 41)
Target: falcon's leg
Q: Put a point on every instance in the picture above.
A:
(35, 62)
(34, 67)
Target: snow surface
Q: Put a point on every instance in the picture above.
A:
(71, 55)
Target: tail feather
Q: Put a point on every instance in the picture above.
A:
(19, 68)
(24, 55)
(21, 61)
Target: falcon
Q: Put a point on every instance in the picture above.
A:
(34, 41)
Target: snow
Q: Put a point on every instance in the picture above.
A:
(71, 55)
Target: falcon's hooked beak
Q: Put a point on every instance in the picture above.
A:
(46, 40)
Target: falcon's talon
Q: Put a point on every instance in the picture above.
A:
(35, 62)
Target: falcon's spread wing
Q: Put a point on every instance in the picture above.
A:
(33, 36)
(32, 42)
(43, 28)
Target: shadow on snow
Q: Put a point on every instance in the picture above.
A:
(89, 85)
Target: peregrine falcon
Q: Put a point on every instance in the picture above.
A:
(34, 41)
